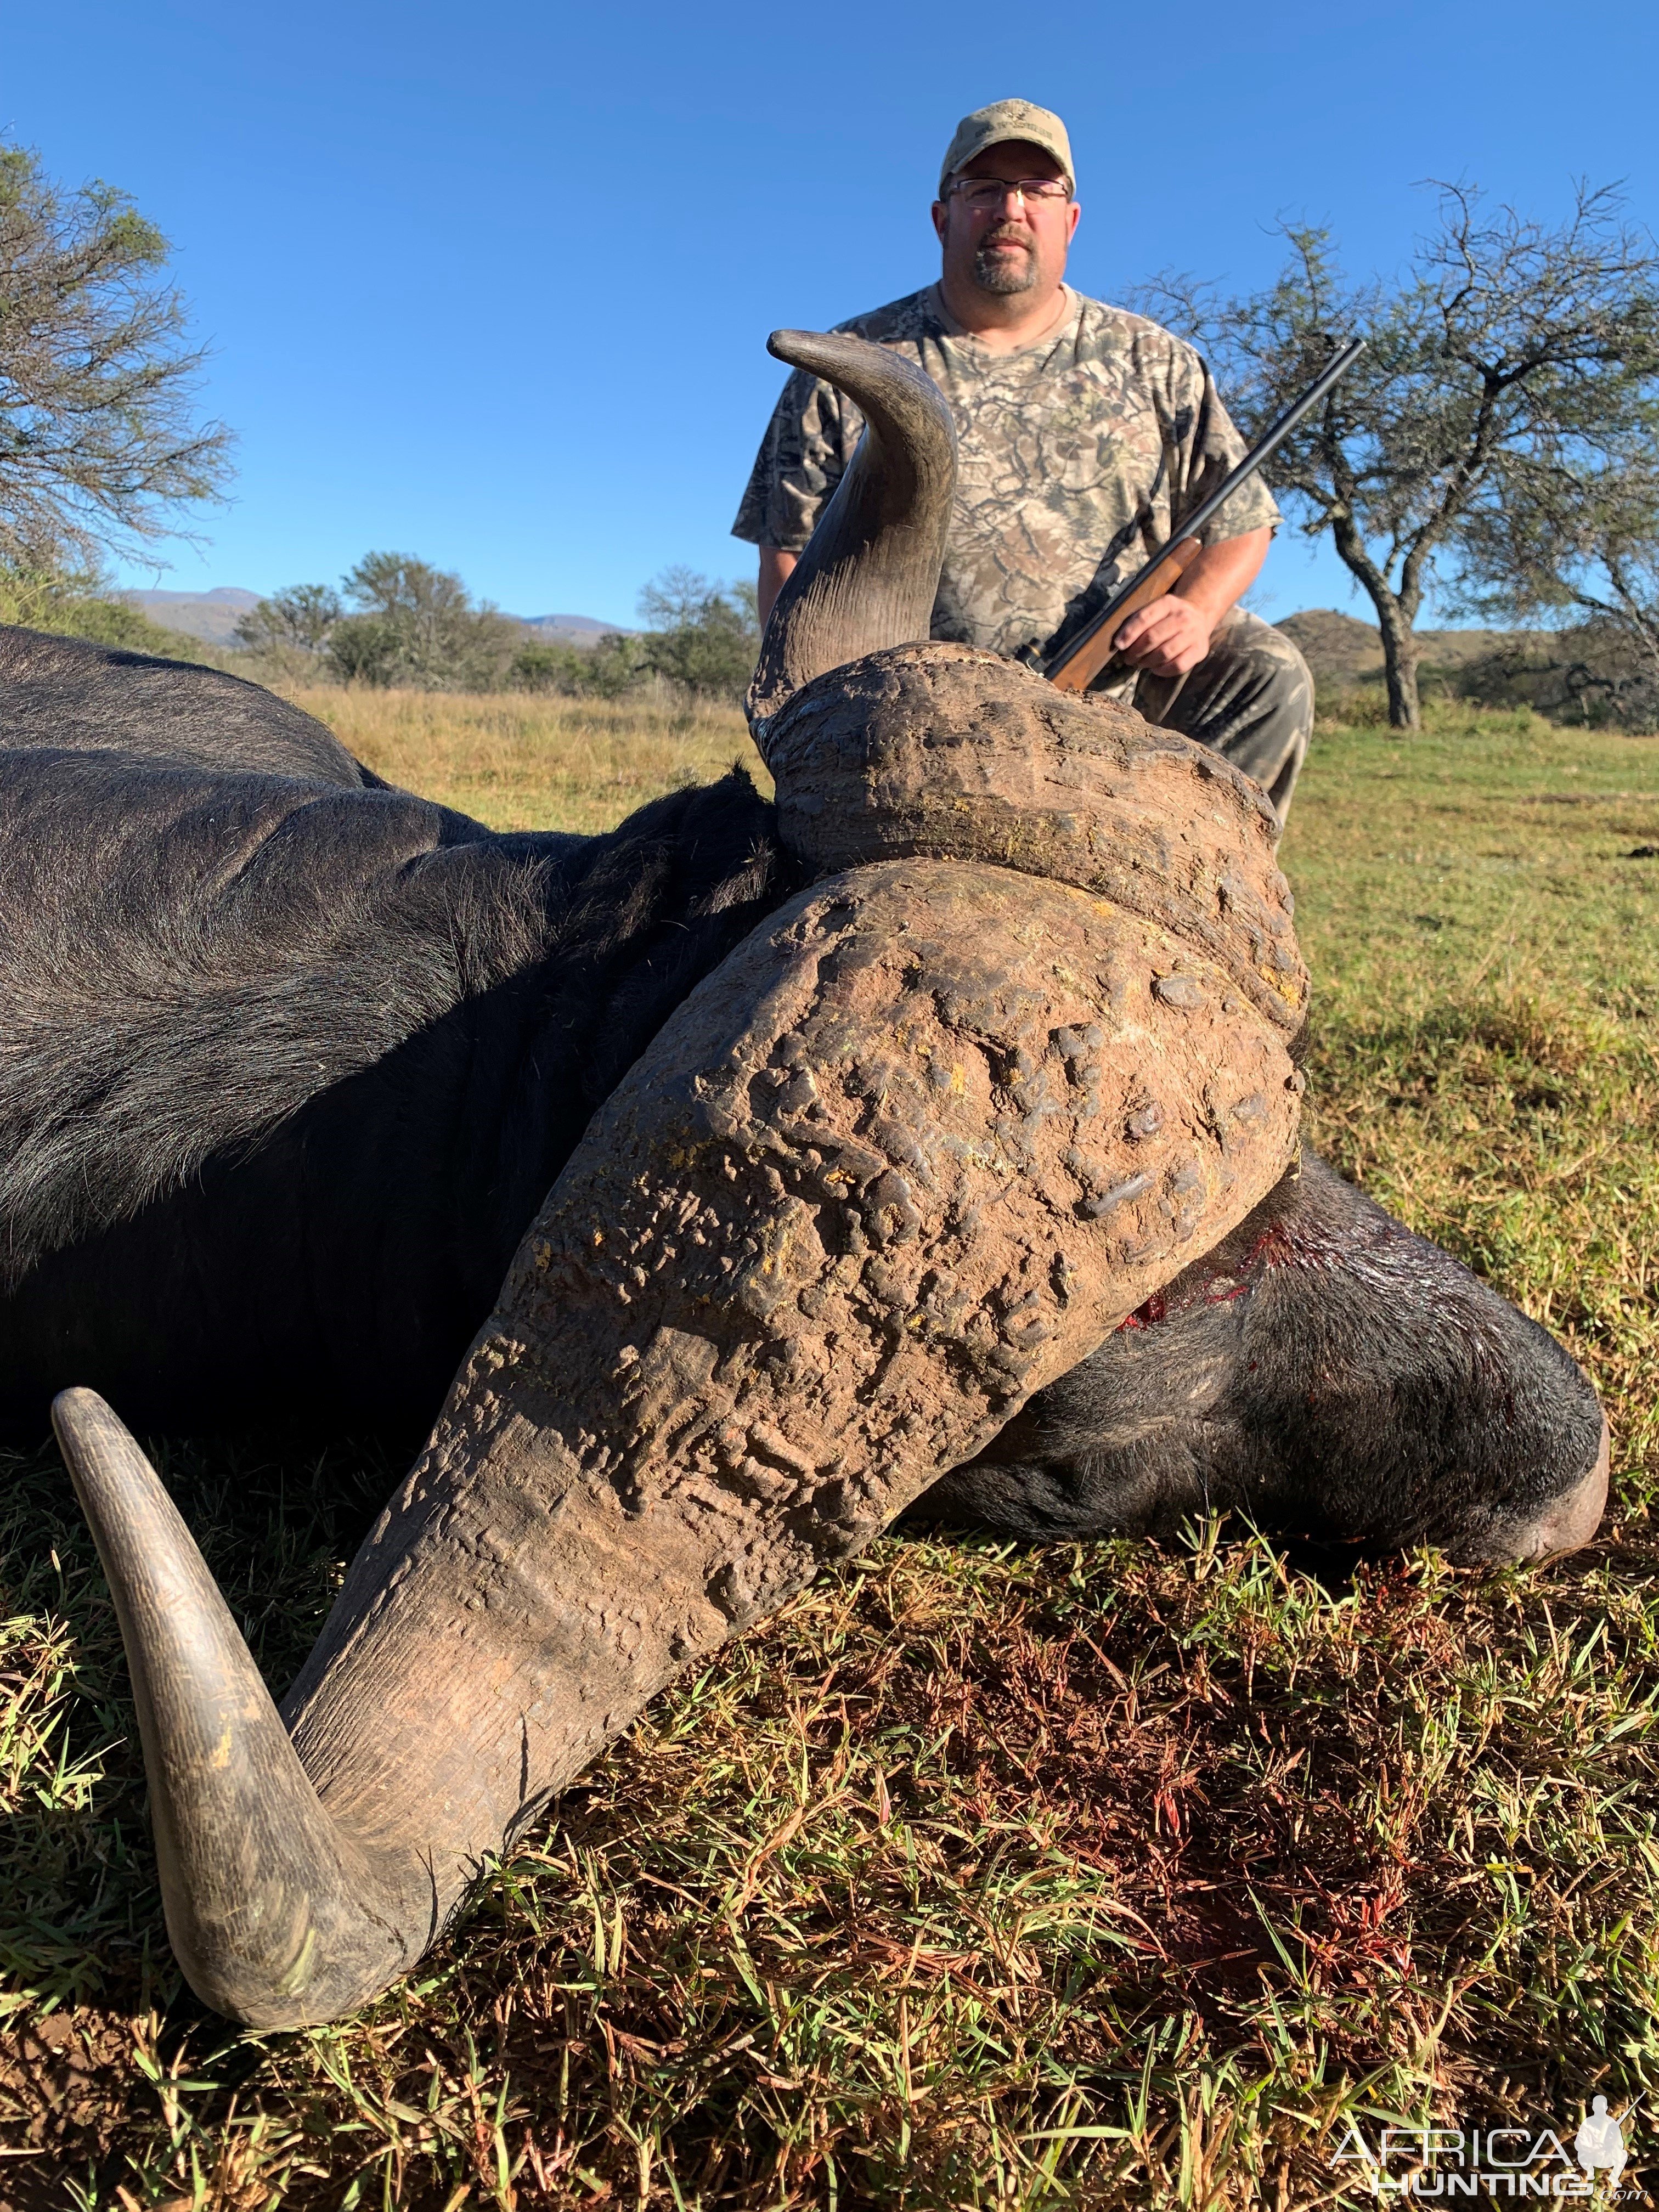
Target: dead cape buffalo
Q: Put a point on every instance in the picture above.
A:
(775, 1163)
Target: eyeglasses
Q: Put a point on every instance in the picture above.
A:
(991, 191)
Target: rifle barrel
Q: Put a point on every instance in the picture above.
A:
(1192, 524)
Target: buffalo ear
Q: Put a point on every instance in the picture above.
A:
(869, 573)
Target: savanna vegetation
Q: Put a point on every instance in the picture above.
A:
(400, 624)
(1111, 1875)
(539, 762)
(1493, 446)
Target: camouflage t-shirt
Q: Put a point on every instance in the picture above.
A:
(1078, 456)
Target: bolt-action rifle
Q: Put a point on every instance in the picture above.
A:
(1076, 666)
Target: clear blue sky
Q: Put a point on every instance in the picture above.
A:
(490, 283)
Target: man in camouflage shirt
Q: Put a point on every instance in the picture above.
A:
(1086, 434)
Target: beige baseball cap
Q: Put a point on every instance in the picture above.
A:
(996, 124)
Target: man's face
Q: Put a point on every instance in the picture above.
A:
(1012, 245)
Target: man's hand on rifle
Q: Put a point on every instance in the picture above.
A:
(1166, 638)
(1170, 636)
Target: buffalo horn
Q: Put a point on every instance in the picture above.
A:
(870, 1187)
(270, 1909)
(868, 577)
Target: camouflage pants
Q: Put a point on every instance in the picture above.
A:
(1251, 698)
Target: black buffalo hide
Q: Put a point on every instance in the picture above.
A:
(288, 1059)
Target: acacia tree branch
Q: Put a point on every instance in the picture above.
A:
(99, 446)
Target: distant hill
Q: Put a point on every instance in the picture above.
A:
(1591, 675)
(213, 615)
(571, 629)
(1341, 649)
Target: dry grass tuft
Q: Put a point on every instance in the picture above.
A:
(1111, 1876)
(521, 762)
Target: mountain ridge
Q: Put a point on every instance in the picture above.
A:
(213, 614)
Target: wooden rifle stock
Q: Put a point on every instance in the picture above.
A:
(1085, 660)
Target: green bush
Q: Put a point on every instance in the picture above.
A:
(300, 619)
(540, 666)
(417, 626)
(602, 671)
(615, 664)
(702, 636)
(73, 606)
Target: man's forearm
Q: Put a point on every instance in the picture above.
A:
(774, 566)
(1222, 574)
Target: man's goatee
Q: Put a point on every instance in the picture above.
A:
(1005, 273)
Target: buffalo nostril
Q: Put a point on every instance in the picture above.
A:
(1573, 1520)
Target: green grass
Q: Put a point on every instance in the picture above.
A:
(1111, 1875)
